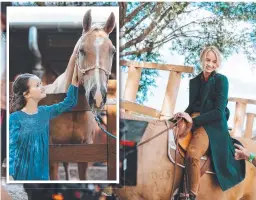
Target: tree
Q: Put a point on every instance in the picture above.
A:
(187, 28)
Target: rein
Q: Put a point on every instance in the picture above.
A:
(153, 137)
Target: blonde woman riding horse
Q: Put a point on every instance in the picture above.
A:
(208, 113)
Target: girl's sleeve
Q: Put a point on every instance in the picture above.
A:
(67, 104)
(13, 139)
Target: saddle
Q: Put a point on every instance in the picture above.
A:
(184, 135)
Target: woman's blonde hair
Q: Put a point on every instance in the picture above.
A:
(204, 52)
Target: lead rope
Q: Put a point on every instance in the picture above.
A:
(101, 127)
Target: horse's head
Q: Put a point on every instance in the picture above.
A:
(94, 60)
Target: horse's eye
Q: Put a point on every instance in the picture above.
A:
(81, 51)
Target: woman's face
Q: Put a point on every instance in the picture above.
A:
(36, 90)
(210, 62)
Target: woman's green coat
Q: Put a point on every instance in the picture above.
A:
(213, 117)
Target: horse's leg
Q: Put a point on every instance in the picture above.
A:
(54, 166)
(65, 164)
(82, 167)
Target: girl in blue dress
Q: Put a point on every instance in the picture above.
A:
(29, 127)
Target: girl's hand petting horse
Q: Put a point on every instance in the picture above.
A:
(75, 80)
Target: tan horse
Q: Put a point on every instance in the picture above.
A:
(155, 172)
(94, 63)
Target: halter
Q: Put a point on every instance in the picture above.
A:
(83, 71)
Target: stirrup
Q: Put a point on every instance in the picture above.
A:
(184, 196)
(187, 196)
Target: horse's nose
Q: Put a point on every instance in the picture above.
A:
(98, 98)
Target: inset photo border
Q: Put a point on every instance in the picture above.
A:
(50, 42)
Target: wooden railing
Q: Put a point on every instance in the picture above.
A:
(132, 86)
(249, 125)
(239, 119)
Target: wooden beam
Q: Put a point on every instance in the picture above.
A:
(249, 125)
(171, 95)
(111, 127)
(111, 89)
(132, 83)
(148, 65)
(78, 153)
(241, 100)
(239, 119)
(137, 108)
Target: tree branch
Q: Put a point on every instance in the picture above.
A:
(147, 31)
(139, 22)
(122, 10)
(137, 52)
(134, 12)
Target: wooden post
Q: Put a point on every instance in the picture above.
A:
(239, 119)
(111, 127)
(249, 125)
(132, 83)
(111, 89)
(171, 95)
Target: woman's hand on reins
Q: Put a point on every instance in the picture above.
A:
(184, 115)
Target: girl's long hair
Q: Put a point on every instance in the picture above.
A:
(19, 88)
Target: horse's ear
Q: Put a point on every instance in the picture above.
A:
(110, 24)
(87, 21)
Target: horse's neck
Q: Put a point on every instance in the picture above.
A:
(61, 84)
(58, 86)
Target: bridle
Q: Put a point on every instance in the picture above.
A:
(83, 71)
(95, 66)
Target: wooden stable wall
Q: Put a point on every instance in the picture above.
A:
(56, 46)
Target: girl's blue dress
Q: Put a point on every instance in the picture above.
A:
(29, 139)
